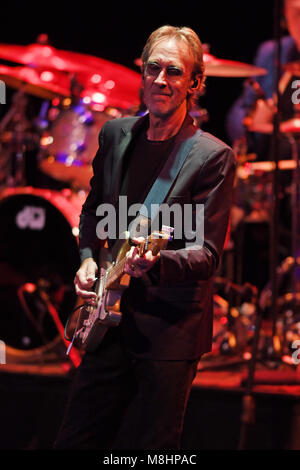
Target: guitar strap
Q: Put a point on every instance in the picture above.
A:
(149, 211)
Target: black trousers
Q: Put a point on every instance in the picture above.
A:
(120, 402)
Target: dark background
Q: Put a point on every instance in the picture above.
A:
(117, 31)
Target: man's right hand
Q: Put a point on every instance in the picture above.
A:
(85, 279)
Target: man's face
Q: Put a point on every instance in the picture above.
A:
(167, 77)
(292, 14)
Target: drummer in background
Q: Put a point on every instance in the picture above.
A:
(252, 114)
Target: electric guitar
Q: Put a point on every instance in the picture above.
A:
(93, 321)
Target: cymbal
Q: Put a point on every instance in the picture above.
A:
(270, 165)
(103, 81)
(215, 67)
(118, 87)
(291, 126)
(293, 67)
(44, 84)
(250, 168)
(46, 56)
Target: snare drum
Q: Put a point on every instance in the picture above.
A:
(38, 253)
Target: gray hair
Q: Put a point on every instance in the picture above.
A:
(183, 33)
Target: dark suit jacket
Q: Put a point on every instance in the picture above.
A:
(168, 314)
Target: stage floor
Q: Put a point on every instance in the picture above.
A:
(33, 397)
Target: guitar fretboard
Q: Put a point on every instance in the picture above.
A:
(115, 272)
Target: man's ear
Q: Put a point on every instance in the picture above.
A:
(195, 84)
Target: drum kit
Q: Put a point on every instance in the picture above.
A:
(77, 93)
(255, 203)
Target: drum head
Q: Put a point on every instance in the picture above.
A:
(38, 256)
(70, 144)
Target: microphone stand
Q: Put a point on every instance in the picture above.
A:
(248, 404)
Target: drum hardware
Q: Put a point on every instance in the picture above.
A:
(38, 258)
(14, 137)
(275, 348)
(234, 316)
(22, 291)
(73, 353)
(295, 200)
(44, 307)
(43, 84)
(248, 414)
(262, 169)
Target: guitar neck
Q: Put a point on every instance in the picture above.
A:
(155, 242)
(115, 273)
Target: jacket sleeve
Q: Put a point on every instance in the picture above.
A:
(89, 243)
(213, 188)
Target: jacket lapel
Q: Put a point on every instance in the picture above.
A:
(181, 148)
(127, 133)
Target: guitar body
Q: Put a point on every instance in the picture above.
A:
(93, 321)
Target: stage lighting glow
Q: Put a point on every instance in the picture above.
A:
(109, 85)
(46, 51)
(98, 97)
(46, 140)
(75, 231)
(67, 102)
(96, 78)
(47, 76)
(86, 99)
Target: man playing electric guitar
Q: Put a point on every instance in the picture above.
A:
(132, 391)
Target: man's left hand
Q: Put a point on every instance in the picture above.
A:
(137, 265)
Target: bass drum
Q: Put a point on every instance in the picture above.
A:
(39, 257)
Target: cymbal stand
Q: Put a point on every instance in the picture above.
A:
(294, 141)
(15, 175)
(248, 402)
(276, 182)
(248, 406)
